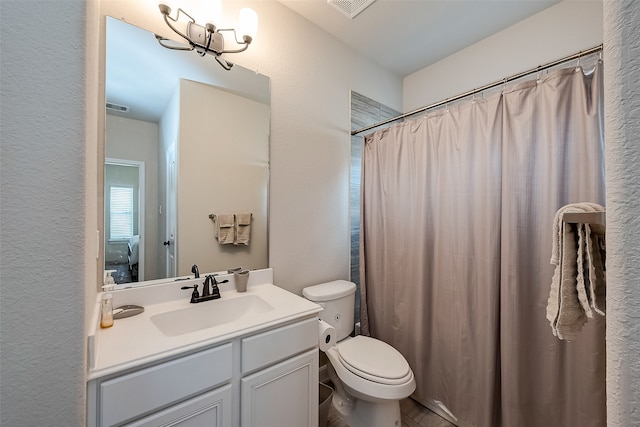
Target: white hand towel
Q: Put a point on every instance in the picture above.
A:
(570, 317)
(243, 228)
(224, 228)
(596, 265)
(586, 280)
(582, 278)
(558, 237)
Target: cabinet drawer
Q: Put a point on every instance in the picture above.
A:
(276, 345)
(131, 396)
(212, 409)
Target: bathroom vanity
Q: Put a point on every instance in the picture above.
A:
(247, 359)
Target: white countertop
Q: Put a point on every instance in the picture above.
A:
(133, 341)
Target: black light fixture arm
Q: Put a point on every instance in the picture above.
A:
(246, 41)
(165, 11)
(211, 33)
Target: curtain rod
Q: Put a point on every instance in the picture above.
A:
(485, 87)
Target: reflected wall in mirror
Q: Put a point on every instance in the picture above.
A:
(184, 140)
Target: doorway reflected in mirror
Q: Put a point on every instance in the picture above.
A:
(124, 194)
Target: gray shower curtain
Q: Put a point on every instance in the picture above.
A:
(456, 220)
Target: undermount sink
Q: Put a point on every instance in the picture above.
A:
(208, 314)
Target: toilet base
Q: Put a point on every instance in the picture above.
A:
(362, 413)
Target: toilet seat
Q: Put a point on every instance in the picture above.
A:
(373, 360)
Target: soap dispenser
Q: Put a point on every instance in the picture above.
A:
(106, 303)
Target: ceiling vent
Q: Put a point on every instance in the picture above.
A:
(350, 7)
(117, 108)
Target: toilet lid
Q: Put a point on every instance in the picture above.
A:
(373, 359)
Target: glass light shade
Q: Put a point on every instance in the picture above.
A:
(248, 22)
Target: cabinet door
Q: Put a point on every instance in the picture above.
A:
(285, 394)
(212, 409)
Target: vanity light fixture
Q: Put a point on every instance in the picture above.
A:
(209, 39)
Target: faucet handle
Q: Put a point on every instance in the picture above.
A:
(195, 294)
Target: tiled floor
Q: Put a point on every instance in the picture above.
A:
(413, 415)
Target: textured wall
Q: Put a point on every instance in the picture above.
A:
(622, 127)
(42, 210)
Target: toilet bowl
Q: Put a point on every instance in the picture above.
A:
(370, 377)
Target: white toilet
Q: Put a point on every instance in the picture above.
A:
(369, 376)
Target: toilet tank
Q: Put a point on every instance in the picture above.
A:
(338, 300)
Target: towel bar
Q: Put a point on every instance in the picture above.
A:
(213, 216)
(585, 217)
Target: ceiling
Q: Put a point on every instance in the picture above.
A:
(419, 33)
(405, 36)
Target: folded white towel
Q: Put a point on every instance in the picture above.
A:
(243, 228)
(570, 317)
(596, 266)
(586, 280)
(224, 228)
(578, 280)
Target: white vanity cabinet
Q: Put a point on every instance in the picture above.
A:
(266, 378)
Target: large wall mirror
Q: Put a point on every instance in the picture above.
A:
(186, 144)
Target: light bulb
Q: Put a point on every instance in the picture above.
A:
(248, 22)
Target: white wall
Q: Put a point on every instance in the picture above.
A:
(223, 168)
(622, 127)
(561, 30)
(42, 214)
